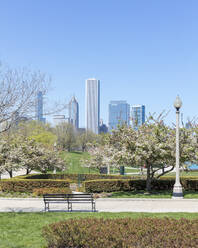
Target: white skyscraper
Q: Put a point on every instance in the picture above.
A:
(92, 105)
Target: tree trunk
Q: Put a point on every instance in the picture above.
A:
(28, 171)
(10, 173)
(148, 178)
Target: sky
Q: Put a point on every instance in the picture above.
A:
(142, 51)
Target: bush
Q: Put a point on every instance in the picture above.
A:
(113, 185)
(75, 177)
(123, 232)
(42, 191)
(25, 185)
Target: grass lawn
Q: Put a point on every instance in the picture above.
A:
(184, 174)
(157, 194)
(24, 230)
(73, 159)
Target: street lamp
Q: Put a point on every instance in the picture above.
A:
(55, 151)
(177, 189)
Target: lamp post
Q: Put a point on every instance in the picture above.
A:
(177, 189)
(55, 151)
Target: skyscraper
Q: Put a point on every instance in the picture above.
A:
(119, 113)
(39, 107)
(74, 112)
(92, 105)
(137, 115)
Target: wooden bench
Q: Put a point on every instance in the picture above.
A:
(69, 199)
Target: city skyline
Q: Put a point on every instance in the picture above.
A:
(119, 113)
(92, 105)
(144, 52)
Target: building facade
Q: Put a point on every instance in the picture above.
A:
(119, 113)
(92, 105)
(59, 119)
(137, 115)
(39, 107)
(73, 108)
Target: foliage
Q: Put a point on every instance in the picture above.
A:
(18, 91)
(74, 177)
(38, 131)
(100, 156)
(52, 190)
(24, 230)
(66, 136)
(17, 152)
(123, 232)
(152, 145)
(25, 185)
(86, 138)
(113, 185)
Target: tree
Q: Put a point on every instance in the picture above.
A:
(86, 138)
(18, 92)
(100, 156)
(39, 132)
(66, 136)
(17, 152)
(152, 145)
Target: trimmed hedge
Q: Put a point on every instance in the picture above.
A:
(25, 185)
(75, 177)
(42, 191)
(122, 233)
(113, 185)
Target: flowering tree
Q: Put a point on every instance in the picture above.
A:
(100, 156)
(17, 153)
(151, 146)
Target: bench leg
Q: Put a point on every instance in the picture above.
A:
(46, 206)
(70, 206)
(93, 207)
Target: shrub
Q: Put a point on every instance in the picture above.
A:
(113, 185)
(75, 177)
(25, 185)
(122, 232)
(42, 191)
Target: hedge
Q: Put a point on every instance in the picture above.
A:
(42, 191)
(25, 185)
(122, 233)
(113, 185)
(75, 177)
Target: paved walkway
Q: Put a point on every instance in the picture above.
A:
(104, 205)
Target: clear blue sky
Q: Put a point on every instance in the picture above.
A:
(143, 51)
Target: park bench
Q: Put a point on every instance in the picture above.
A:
(68, 199)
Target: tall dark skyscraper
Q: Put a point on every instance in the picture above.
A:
(74, 112)
(92, 105)
(119, 113)
(39, 107)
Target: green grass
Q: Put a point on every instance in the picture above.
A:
(73, 159)
(184, 174)
(157, 194)
(24, 230)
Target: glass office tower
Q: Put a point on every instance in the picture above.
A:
(74, 112)
(92, 105)
(137, 115)
(39, 107)
(119, 113)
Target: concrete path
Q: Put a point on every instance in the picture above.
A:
(103, 205)
(16, 173)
